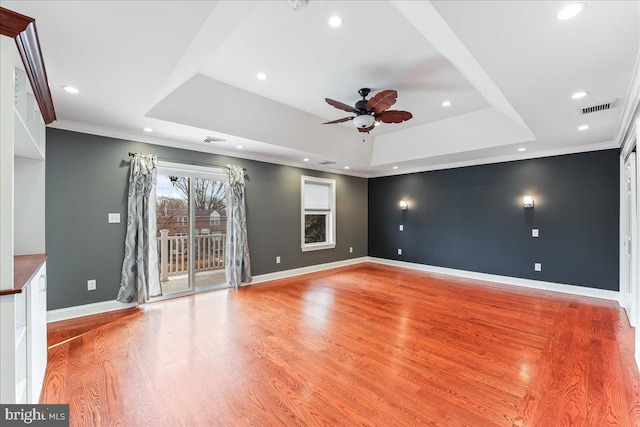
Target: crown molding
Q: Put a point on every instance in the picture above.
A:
(23, 29)
(155, 140)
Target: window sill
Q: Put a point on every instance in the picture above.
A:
(317, 247)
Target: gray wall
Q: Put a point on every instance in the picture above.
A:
(86, 178)
(473, 218)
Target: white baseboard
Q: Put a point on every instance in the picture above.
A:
(106, 306)
(515, 281)
(305, 270)
(86, 310)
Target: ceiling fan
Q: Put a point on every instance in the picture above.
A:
(368, 112)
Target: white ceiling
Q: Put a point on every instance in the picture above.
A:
(188, 70)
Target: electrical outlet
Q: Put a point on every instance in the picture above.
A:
(91, 285)
(401, 227)
(535, 232)
(350, 249)
(399, 251)
(114, 218)
(277, 260)
(537, 266)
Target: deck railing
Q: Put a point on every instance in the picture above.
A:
(173, 253)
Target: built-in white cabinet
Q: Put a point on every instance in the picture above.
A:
(23, 276)
(23, 327)
(13, 311)
(36, 298)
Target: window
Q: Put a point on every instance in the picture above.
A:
(214, 218)
(318, 213)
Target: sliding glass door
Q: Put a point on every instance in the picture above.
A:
(192, 223)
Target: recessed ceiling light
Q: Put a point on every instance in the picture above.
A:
(70, 89)
(346, 167)
(239, 147)
(335, 21)
(522, 149)
(305, 160)
(261, 76)
(571, 10)
(395, 167)
(446, 104)
(580, 94)
(583, 127)
(147, 129)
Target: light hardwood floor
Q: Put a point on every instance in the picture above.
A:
(362, 345)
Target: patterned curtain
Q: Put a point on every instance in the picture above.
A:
(238, 265)
(140, 278)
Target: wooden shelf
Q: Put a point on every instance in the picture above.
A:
(24, 267)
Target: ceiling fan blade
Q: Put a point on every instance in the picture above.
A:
(394, 116)
(340, 105)
(344, 119)
(367, 129)
(382, 101)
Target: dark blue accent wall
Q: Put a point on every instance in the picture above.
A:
(473, 218)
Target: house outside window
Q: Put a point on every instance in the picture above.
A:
(318, 219)
(214, 218)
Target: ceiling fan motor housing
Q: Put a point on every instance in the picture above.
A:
(361, 105)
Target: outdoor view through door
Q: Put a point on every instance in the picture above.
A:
(192, 224)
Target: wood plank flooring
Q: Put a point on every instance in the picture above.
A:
(365, 345)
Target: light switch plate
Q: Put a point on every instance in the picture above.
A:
(277, 260)
(535, 232)
(114, 218)
(399, 251)
(401, 227)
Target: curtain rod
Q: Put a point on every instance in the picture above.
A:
(189, 163)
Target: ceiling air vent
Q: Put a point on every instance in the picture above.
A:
(596, 108)
(327, 162)
(211, 139)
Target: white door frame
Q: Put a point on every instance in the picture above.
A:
(636, 257)
(629, 291)
(627, 139)
(630, 224)
(191, 171)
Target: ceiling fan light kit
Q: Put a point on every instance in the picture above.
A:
(363, 121)
(370, 112)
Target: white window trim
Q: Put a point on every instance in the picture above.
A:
(331, 215)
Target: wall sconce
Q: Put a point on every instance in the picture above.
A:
(528, 201)
(403, 205)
